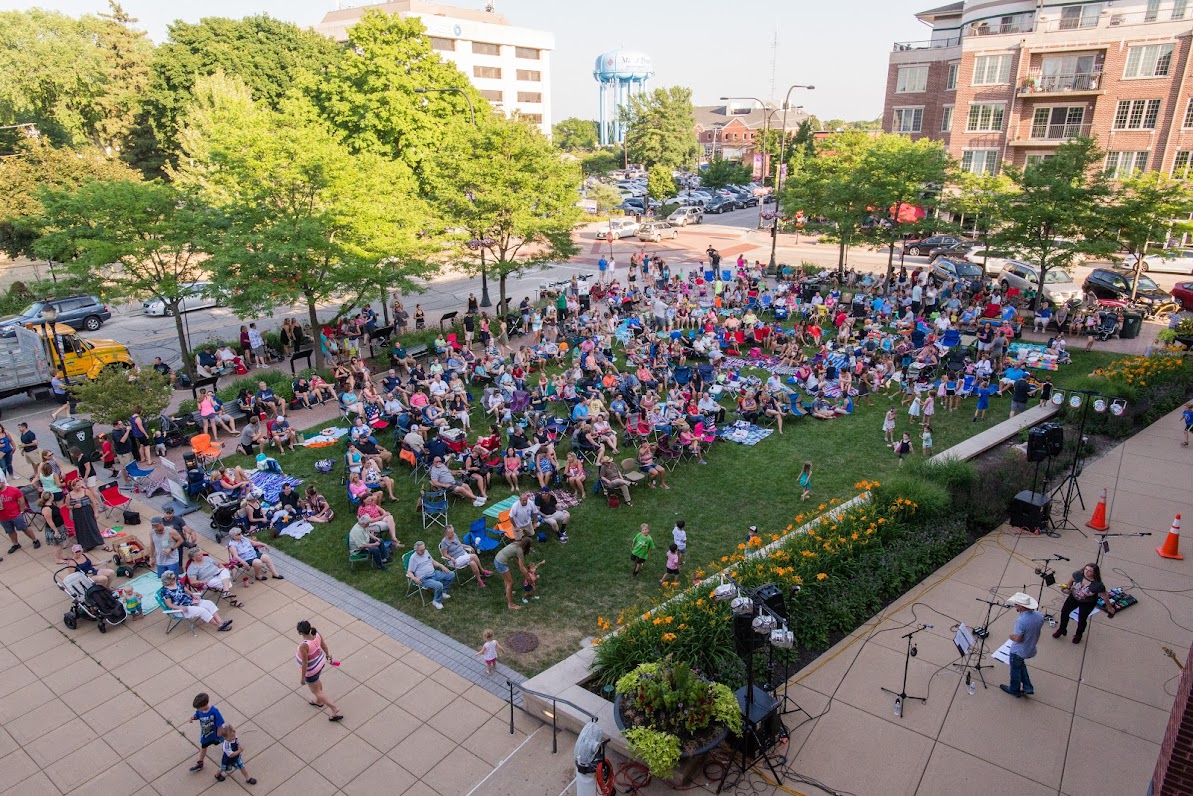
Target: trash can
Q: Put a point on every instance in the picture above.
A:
(1132, 322)
(72, 432)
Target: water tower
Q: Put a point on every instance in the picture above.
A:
(621, 73)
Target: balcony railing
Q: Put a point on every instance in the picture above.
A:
(1053, 132)
(985, 28)
(1175, 10)
(1039, 83)
(927, 44)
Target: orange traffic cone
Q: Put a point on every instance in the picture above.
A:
(1169, 548)
(1098, 521)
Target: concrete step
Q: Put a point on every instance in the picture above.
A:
(531, 769)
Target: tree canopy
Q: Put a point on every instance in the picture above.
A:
(661, 128)
(574, 134)
(721, 172)
(1148, 210)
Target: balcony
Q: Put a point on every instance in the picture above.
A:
(985, 28)
(1166, 11)
(927, 44)
(1038, 84)
(1032, 134)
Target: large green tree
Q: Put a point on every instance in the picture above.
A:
(575, 134)
(1149, 208)
(721, 172)
(1057, 210)
(300, 217)
(126, 238)
(660, 183)
(978, 200)
(507, 187)
(661, 128)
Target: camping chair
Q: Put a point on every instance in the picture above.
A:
(631, 472)
(413, 588)
(664, 451)
(433, 508)
(357, 557)
(208, 453)
(796, 409)
(175, 616)
(137, 475)
(478, 538)
(112, 498)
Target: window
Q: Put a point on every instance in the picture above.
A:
(1136, 114)
(530, 53)
(992, 70)
(530, 75)
(985, 117)
(1153, 11)
(530, 96)
(442, 44)
(1122, 164)
(1188, 122)
(1035, 160)
(908, 120)
(979, 161)
(492, 95)
(911, 79)
(533, 118)
(1180, 166)
(490, 72)
(950, 82)
(1149, 60)
(1178, 8)
(1083, 16)
(1057, 123)
(484, 48)
(946, 119)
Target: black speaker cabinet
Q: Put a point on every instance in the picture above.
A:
(1054, 436)
(765, 720)
(772, 597)
(1030, 510)
(745, 640)
(1037, 445)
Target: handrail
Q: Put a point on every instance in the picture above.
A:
(555, 702)
(927, 44)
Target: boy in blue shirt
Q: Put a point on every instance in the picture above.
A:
(1187, 418)
(210, 722)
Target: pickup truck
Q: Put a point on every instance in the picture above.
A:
(27, 364)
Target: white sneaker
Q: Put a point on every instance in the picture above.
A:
(438, 605)
(480, 501)
(445, 596)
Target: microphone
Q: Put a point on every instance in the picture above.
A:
(1059, 557)
(795, 589)
(927, 626)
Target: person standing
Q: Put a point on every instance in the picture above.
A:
(1023, 643)
(8, 447)
(28, 445)
(313, 655)
(1186, 418)
(164, 547)
(12, 516)
(643, 544)
(1083, 591)
(82, 514)
(60, 394)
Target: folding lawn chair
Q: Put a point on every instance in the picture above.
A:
(175, 616)
(112, 498)
(137, 475)
(477, 537)
(433, 508)
(413, 588)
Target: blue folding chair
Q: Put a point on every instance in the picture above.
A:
(478, 538)
(137, 475)
(433, 506)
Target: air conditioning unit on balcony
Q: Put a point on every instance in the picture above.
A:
(1117, 19)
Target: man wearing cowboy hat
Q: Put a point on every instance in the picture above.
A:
(1023, 643)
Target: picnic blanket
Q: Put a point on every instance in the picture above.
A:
(744, 433)
(326, 437)
(297, 529)
(564, 498)
(768, 363)
(147, 585)
(1034, 356)
(495, 510)
(271, 484)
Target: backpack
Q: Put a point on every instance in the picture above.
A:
(614, 500)
(325, 465)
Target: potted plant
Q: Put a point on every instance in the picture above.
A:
(1184, 332)
(668, 714)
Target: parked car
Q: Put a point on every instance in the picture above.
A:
(946, 269)
(1170, 261)
(1182, 293)
(994, 259)
(620, 227)
(924, 245)
(78, 312)
(957, 250)
(1115, 286)
(720, 205)
(1059, 285)
(685, 215)
(655, 231)
(199, 296)
(745, 198)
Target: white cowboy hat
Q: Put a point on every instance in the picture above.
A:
(1025, 600)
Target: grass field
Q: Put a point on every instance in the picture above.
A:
(590, 576)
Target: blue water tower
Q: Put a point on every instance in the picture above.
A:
(621, 74)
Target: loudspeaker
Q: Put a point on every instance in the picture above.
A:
(1030, 510)
(1037, 445)
(1054, 435)
(764, 718)
(585, 302)
(745, 640)
(770, 596)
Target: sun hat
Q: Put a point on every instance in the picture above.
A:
(77, 548)
(1023, 599)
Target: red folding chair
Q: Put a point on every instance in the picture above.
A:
(113, 499)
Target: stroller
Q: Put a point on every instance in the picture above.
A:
(1107, 325)
(88, 600)
(224, 514)
(171, 430)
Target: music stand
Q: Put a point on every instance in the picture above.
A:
(1047, 578)
(902, 696)
(447, 317)
(982, 633)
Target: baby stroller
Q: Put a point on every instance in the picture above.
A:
(88, 600)
(171, 429)
(1107, 325)
(224, 512)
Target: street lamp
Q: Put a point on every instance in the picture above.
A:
(774, 235)
(765, 128)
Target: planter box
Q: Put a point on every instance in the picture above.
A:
(690, 764)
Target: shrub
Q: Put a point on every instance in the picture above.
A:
(658, 750)
(932, 498)
(113, 395)
(279, 381)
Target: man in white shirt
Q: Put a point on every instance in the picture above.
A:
(438, 386)
(522, 516)
(425, 571)
(414, 439)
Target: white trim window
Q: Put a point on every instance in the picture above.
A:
(1148, 60)
(979, 161)
(1079, 17)
(1138, 114)
(1181, 165)
(1124, 164)
(912, 79)
(946, 119)
(1188, 122)
(985, 117)
(1036, 159)
(992, 70)
(908, 120)
(950, 81)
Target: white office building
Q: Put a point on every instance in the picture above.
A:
(510, 66)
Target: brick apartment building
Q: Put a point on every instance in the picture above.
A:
(1007, 81)
(729, 131)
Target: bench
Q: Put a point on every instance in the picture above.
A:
(420, 351)
(297, 355)
(211, 381)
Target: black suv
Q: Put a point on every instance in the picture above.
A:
(1112, 285)
(925, 245)
(79, 312)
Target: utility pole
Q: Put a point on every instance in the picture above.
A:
(774, 238)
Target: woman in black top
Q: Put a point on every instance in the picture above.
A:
(1084, 590)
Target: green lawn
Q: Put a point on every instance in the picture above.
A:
(590, 576)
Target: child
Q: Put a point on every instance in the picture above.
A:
(751, 534)
(904, 447)
(108, 453)
(951, 399)
(132, 602)
(1187, 419)
(926, 441)
(488, 652)
(232, 758)
(643, 544)
(672, 564)
(805, 481)
(159, 442)
(210, 722)
(530, 586)
(888, 427)
(929, 408)
(916, 408)
(680, 537)
(984, 393)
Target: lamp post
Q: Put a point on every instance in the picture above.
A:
(765, 128)
(485, 300)
(774, 236)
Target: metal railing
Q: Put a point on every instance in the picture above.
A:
(1167, 12)
(1039, 83)
(985, 28)
(555, 702)
(927, 44)
(1053, 132)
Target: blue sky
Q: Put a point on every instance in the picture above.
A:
(716, 48)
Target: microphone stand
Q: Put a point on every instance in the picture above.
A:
(982, 632)
(1047, 578)
(1104, 546)
(902, 696)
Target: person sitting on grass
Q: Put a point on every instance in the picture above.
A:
(315, 507)
(253, 438)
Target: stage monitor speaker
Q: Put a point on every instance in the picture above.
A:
(1037, 445)
(764, 717)
(1054, 436)
(745, 640)
(772, 597)
(1030, 510)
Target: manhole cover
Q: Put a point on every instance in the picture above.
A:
(522, 642)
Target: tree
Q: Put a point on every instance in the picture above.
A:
(606, 197)
(660, 184)
(514, 196)
(574, 134)
(661, 128)
(721, 172)
(602, 161)
(115, 394)
(299, 217)
(979, 200)
(1149, 208)
(125, 238)
(1057, 210)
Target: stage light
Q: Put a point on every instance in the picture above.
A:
(764, 624)
(1075, 400)
(1099, 404)
(742, 606)
(724, 593)
(1058, 398)
(782, 638)
(1117, 407)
